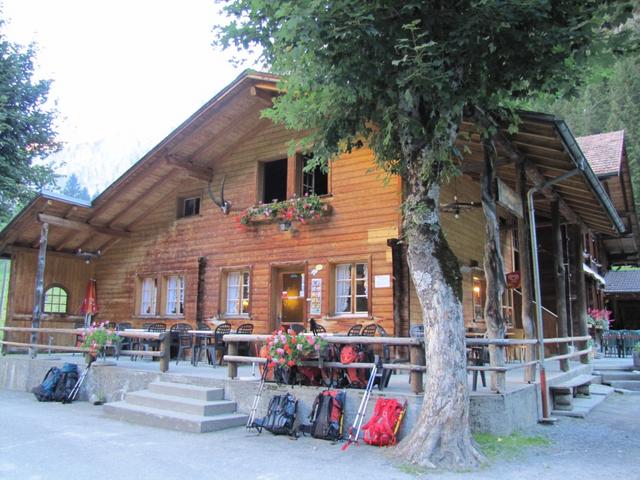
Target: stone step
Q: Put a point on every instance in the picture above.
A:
(180, 404)
(633, 385)
(184, 422)
(615, 376)
(185, 390)
(582, 406)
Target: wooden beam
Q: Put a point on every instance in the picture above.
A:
(74, 225)
(266, 96)
(38, 296)
(559, 282)
(196, 171)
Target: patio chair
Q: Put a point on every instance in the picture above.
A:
(354, 331)
(79, 338)
(125, 343)
(298, 328)
(150, 344)
(244, 348)
(371, 329)
(218, 343)
(181, 338)
(202, 342)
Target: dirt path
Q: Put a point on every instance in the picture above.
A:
(54, 441)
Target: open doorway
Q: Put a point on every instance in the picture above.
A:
(288, 297)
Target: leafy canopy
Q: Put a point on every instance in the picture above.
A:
(26, 132)
(390, 72)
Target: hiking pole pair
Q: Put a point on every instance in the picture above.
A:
(357, 423)
(76, 388)
(256, 399)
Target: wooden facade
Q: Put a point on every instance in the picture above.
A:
(154, 263)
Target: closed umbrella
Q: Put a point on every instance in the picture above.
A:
(89, 302)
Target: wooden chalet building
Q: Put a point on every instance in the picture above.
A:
(161, 250)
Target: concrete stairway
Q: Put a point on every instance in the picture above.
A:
(622, 379)
(177, 406)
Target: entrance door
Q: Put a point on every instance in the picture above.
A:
(292, 297)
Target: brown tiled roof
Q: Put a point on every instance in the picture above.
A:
(623, 281)
(603, 151)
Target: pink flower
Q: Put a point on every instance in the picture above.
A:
(311, 340)
(299, 347)
(280, 351)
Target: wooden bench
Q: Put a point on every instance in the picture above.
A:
(564, 393)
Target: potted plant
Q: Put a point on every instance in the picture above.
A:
(97, 337)
(636, 355)
(286, 350)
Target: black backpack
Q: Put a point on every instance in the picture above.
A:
(44, 392)
(281, 415)
(326, 416)
(66, 383)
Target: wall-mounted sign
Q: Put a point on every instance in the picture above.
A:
(509, 199)
(513, 279)
(382, 281)
(315, 297)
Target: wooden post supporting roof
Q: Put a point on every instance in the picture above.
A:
(578, 288)
(524, 251)
(38, 297)
(559, 281)
(493, 269)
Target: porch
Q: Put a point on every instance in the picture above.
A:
(515, 409)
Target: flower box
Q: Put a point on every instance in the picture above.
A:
(298, 209)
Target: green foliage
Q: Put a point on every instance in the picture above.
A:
(26, 132)
(398, 74)
(508, 447)
(73, 188)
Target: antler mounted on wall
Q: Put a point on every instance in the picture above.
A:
(224, 205)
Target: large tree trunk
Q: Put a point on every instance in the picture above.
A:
(441, 437)
(493, 268)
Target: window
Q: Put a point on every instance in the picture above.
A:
(190, 206)
(148, 295)
(175, 295)
(274, 181)
(237, 294)
(315, 181)
(479, 296)
(55, 300)
(351, 288)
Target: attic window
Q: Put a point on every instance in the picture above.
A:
(189, 207)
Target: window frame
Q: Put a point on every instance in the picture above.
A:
(44, 299)
(139, 300)
(301, 161)
(353, 295)
(180, 290)
(224, 292)
(181, 201)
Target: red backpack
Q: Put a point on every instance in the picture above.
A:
(382, 427)
(356, 376)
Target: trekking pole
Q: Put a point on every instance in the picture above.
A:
(256, 399)
(76, 388)
(357, 423)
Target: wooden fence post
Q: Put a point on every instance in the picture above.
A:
(417, 357)
(166, 349)
(232, 349)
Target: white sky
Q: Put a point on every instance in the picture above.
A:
(124, 72)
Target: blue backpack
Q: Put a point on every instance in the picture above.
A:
(44, 392)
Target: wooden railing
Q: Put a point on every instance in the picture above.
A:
(162, 354)
(416, 365)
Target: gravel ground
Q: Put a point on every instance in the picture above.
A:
(55, 441)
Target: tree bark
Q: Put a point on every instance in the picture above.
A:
(493, 268)
(559, 281)
(524, 252)
(38, 300)
(441, 437)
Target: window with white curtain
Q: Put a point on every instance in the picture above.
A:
(351, 287)
(148, 295)
(175, 295)
(237, 298)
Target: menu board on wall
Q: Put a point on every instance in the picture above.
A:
(315, 297)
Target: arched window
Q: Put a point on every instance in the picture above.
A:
(55, 299)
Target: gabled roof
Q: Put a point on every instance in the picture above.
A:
(603, 151)
(623, 281)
